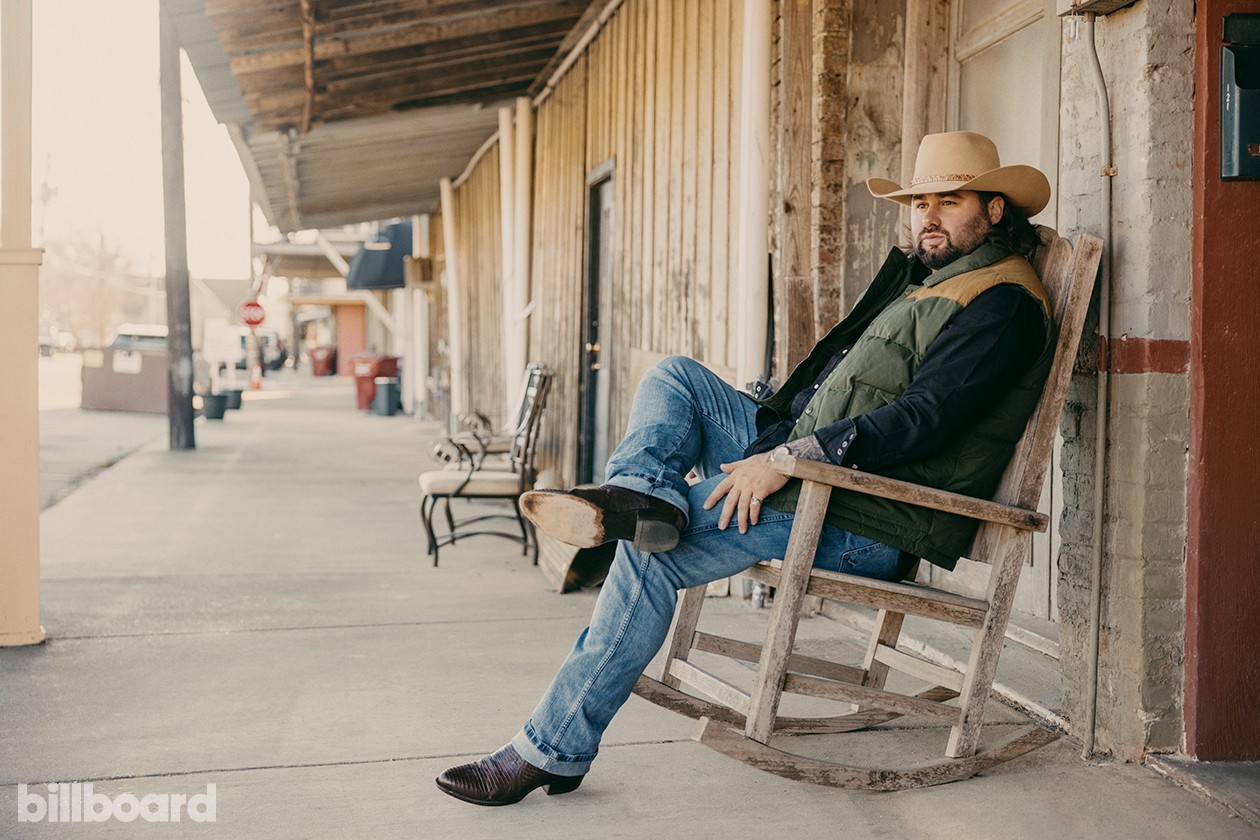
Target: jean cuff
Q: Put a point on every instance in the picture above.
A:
(545, 758)
(657, 488)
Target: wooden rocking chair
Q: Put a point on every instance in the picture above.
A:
(1003, 541)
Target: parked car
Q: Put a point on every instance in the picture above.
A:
(274, 352)
(139, 337)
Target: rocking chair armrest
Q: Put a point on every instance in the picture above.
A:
(904, 491)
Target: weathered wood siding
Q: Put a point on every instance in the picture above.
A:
(478, 228)
(657, 93)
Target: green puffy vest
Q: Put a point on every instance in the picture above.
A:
(890, 329)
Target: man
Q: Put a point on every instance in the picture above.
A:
(930, 378)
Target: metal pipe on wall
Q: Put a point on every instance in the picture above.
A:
(754, 192)
(1103, 412)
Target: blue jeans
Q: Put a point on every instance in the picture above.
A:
(683, 418)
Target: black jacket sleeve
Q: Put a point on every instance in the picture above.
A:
(978, 355)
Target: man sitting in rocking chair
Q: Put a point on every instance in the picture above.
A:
(931, 378)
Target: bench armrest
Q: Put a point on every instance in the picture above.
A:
(903, 491)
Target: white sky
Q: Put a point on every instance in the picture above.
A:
(97, 140)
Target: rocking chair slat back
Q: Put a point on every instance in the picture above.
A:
(1056, 262)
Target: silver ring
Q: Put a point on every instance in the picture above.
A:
(755, 501)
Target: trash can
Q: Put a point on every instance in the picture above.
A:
(366, 367)
(386, 401)
(233, 397)
(213, 406)
(323, 361)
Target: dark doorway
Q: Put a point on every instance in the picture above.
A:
(593, 421)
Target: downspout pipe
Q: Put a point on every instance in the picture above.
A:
(754, 192)
(1103, 398)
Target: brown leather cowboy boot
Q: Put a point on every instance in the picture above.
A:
(590, 516)
(502, 778)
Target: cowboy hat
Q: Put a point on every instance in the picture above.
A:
(964, 160)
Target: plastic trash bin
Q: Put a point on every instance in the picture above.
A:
(323, 361)
(214, 406)
(386, 401)
(366, 368)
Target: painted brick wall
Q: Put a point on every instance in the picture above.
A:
(1147, 56)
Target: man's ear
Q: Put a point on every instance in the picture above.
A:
(997, 208)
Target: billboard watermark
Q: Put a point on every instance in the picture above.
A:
(77, 802)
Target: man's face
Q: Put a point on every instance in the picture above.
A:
(950, 225)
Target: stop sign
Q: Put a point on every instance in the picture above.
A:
(251, 312)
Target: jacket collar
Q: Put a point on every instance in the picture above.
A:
(986, 255)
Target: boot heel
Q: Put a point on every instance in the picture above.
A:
(563, 784)
(654, 535)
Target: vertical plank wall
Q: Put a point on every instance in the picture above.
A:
(656, 92)
(479, 264)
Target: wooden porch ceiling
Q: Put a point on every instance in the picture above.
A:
(303, 63)
(346, 111)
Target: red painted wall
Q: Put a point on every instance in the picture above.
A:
(351, 335)
(1222, 665)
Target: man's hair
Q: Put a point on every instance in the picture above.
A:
(1013, 230)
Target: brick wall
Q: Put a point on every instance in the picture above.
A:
(1147, 56)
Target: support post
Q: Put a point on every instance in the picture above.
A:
(19, 375)
(754, 191)
(523, 236)
(178, 315)
(513, 365)
(419, 376)
(450, 278)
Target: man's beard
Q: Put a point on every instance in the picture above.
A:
(972, 236)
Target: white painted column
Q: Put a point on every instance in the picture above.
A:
(417, 390)
(513, 364)
(451, 282)
(404, 346)
(19, 373)
(522, 238)
(754, 191)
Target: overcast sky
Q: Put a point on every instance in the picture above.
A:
(97, 141)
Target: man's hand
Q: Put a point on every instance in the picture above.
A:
(747, 483)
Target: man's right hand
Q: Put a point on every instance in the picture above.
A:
(747, 484)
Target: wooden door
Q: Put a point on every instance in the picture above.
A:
(596, 394)
(1004, 83)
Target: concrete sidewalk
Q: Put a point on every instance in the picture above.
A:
(259, 615)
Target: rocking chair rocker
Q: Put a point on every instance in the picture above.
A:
(740, 724)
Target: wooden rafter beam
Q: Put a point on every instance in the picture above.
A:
(575, 34)
(417, 34)
(308, 65)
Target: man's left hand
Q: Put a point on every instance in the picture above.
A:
(747, 484)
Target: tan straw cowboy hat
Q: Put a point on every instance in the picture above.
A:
(964, 160)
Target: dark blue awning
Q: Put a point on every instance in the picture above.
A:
(379, 263)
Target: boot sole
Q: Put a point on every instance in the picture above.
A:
(557, 786)
(569, 519)
(578, 522)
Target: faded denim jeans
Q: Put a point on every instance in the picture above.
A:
(683, 418)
